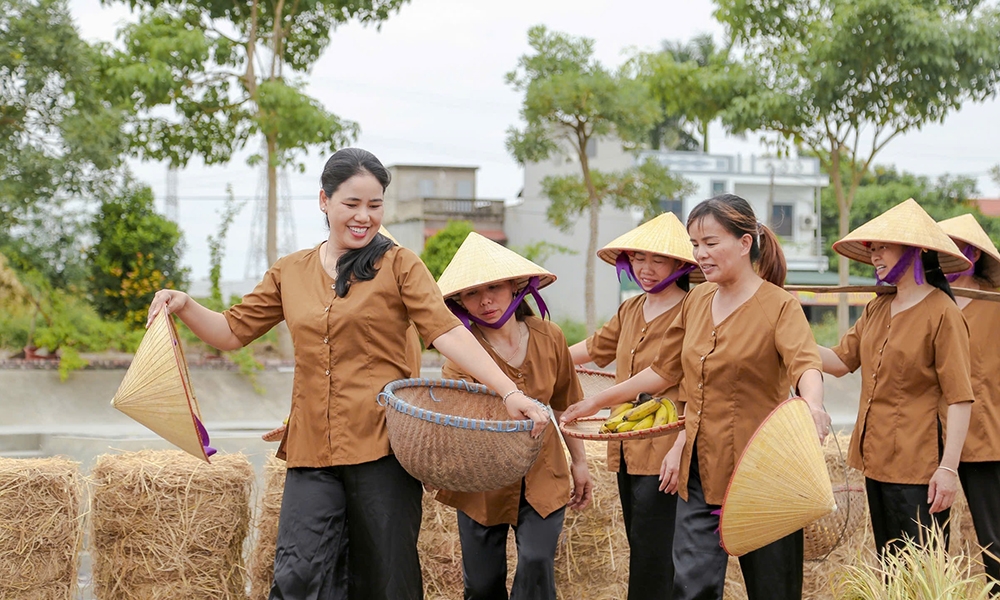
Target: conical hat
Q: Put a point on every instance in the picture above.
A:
(157, 389)
(480, 261)
(663, 234)
(780, 484)
(907, 224)
(385, 232)
(967, 229)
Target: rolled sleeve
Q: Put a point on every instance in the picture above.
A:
(603, 345)
(952, 359)
(260, 310)
(422, 297)
(795, 343)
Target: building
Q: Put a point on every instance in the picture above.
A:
(787, 189)
(423, 198)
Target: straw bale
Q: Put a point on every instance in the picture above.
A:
(261, 564)
(166, 525)
(41, 528)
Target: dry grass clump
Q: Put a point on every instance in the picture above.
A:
(261, 563)
(166, 525)
(41, 528)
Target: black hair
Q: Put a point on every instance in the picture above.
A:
(357, 264)
(523, 310)
(684, 281)
(933, 273)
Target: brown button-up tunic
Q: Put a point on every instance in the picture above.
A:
(983, 441)
(732, 375)
(913, 365)
(632, 342)
(547, 374)
(346, 349)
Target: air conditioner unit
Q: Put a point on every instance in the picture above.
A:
(808, 221)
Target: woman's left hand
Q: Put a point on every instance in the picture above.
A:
(941, 491)
(520, 406)
(583, 486)
(822, 420)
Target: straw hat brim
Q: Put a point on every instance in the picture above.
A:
(780, 483)
(385, 232)
(664, 235)
(966, 229)
(157, 392)
(481, 261)
(906, 224)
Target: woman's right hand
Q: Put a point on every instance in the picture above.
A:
(520, 406)
(172, 301)
(583, 408)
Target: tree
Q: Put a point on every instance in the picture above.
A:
(995, 174)
(61, 141)
(693, 83)
(843, 78)
(570, 101)
(136, 253)
(232, 71)
(442, 246)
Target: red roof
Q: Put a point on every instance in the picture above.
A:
(497, 235)
(988, 206)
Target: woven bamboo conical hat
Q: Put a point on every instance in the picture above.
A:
(480, 261)
(966, 229)
(663, 234)
(780, 484)
(157, 389)
(907, 224)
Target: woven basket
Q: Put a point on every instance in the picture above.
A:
(594, 382)
(826, 534)
(455, 435)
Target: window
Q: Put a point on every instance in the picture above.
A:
(718, 187)
(674, 206)
(463, 190)
(426, 188)
(591, 147)
(782, 219)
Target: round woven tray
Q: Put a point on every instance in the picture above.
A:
(594, 382)
(455, 435)
(588, 428)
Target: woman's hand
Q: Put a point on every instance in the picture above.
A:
(822, 420)
(583, 485)
(170, 300)
(583, 408)
(519, 406)
(670, 468)
(942, 489)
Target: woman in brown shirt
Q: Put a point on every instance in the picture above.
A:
(348, 303)
(486, 285)
(979, 469)
(738, 345)
(657, 256)
(913, 350)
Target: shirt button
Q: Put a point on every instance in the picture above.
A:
(333, 286)
(633, 350)
(702, 359)
(326, 340)
(699, 411)
(328, 371)
(643, 330)
(699, 386)
(327, 309)
(713, 334)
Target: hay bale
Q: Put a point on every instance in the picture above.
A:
(41, 528)
(261, 563)
(166, 525)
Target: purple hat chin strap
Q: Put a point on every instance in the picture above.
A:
(968, 252)
(203, 434)
(532, 288)
(624, 265)
(910, 256)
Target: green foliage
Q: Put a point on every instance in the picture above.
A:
(540, 251)
(995, 174)
(921, 570)
(574, 331)
(69, 361)
(825, 331)
(61, 137)
(216, 248)
(249, 367)
(442, 246)
(136, 253)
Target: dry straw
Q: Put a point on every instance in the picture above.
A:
(261, 563)
(166, 525)
(41, 528)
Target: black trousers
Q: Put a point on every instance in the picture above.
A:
(773, 572)
(981, 484)
(649, 526)
(349, 532)
(901, 510)
(484, 555)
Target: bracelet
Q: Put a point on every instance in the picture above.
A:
(949, 469)
(513, 391)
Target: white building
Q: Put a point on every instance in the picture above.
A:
(790, 186)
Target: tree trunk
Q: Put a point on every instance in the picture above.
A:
(284, 336)
(844, 222)
(590, 311)
(704, 138)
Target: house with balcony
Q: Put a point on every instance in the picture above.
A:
(423, 198)
(787, 189)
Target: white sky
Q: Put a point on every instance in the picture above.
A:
(428, 88)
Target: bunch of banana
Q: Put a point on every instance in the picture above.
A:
(643, 413)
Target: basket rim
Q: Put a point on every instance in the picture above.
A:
(586, 371)
(389, 399)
